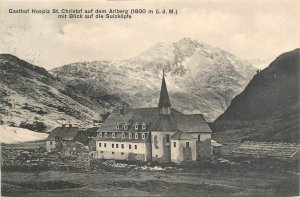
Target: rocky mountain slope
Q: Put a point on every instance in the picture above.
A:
(31, 95)
(269, 106)
(200, 78)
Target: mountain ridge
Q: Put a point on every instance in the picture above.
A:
(204, 76)
(29, 95)
(269, 105)
(200, 79)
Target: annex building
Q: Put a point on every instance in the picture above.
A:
(66, 135)
(160, 134)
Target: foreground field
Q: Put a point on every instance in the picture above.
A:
(28, 172)
(145, 183)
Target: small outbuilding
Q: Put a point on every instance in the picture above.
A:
(91, 132)
(67, 135)
(216, 148)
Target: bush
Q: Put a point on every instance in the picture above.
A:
(35, 126)
(12, 124)
(41, 112)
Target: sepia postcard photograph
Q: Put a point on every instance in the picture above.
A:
(150, 98)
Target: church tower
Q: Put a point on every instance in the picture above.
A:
(164, 103)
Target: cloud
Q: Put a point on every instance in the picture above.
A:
(248, 31)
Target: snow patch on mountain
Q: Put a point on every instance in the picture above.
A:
(200, 78)
(13, 135)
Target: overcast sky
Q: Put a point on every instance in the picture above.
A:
(249, 29)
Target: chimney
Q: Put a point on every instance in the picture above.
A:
(122, 110)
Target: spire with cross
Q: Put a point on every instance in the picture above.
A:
(164, 102)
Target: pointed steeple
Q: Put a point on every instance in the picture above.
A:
(164, 102)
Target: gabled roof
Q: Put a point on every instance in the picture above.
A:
(176, 121)
(164, 123)
(92, 130)
(129, 117)
(182, 136)
(67, 133)
(192, 123)
(164, 100)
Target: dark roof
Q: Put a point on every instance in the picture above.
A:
(91, 132)
(176, 121)
(182, 136)
(192, 123)
(92, 129)
(164, 100)
(129, 117)
(67, 133)
(164, 123)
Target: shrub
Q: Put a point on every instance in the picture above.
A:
(35, 126)
(41, 112)
(12, 124)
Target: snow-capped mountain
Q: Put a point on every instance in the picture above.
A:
(200, 78)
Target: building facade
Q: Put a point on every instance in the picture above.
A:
(160, 134)
(67, 136)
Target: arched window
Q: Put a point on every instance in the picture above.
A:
(105, 135)
(125, 127)
(123, 135)
(113, 135)
(136, 136)
(117, 126)
(136, 126)
(143, 136)
(143, 126)
(130, 135)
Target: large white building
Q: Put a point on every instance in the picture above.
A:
(154, 134)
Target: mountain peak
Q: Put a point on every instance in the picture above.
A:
(186, 40)
(204, 76)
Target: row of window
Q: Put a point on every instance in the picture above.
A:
(187, 144)
(113, 135)
(117, 146)
(122, 153)
(136, 126)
